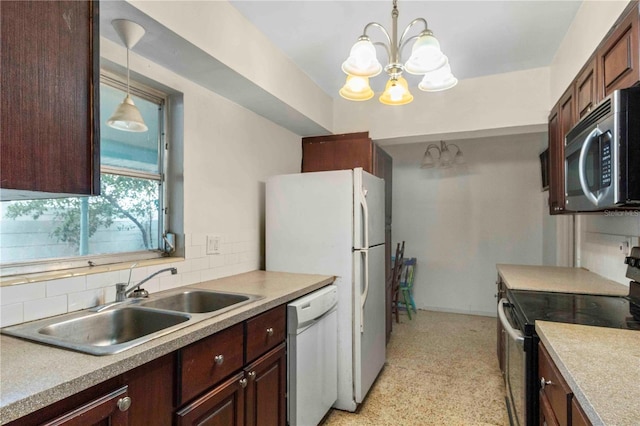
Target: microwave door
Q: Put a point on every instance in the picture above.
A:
(586, 167)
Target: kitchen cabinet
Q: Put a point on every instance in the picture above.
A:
(348, 151)
(49, 103)
(236, 376)
(254, 352)
(557, 404)
(618, 61)
(149, 388)
(585, 89)
(614, 65)
(110, 409)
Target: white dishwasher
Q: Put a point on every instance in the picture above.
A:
(312, 356)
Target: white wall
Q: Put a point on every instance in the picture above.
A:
(471, 109)
(460, 223)
(224, 154)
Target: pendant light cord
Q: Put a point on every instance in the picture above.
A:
(127, 71)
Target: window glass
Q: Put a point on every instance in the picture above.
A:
(126, 217)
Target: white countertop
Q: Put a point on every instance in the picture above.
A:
(601, 366)
(34, 375)
(558, 279)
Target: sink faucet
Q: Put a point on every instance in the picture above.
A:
(123, 290)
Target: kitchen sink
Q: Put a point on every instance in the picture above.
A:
(198, 301)
(119, 326)
(102, 333)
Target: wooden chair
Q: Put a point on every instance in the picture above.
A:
(396, 274)
(406, 285)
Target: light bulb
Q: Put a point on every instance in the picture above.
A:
(396, 91)
(357, 84)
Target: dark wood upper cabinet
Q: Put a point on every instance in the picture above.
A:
(337, 152)
(585, 94)
(618, 65)
(49, 102)
(554, 162)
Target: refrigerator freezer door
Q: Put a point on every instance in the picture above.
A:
(368, 208)
(369, 344)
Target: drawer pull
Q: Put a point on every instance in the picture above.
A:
(269, 331)
(124, 403)
(252, 375)
(243, 382)
(544, 383)
(218, 359)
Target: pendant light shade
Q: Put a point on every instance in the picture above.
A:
(396, 92)
(356, 89)
(127, 117)
(362, 60)
(440, 79)
(426, 55)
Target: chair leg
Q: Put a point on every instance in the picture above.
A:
(406, 301)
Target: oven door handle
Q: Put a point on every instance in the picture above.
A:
(515, 334)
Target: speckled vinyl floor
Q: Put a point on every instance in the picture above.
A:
(441, 369)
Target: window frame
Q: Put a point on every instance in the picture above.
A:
(150, 94)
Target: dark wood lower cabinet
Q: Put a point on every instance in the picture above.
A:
(222, 406)
(267, 384)
(108, 410)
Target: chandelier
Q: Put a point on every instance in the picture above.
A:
(426, 59)
(444, 159)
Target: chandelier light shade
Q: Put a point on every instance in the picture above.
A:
(426, 59)
(356, 89)
(127, 117)
(444, 157)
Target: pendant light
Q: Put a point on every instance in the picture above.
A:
(127, 117)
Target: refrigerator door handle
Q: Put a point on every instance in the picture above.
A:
(365, 291)
(365, 210)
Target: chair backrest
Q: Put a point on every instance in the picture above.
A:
(397, 266)
(406, 280)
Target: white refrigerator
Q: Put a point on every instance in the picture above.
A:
(332, 223)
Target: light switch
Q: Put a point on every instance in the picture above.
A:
(213, 244)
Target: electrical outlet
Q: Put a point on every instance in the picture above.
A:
(213, 244)
(625, 247)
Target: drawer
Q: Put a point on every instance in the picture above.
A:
(206, 362)
(556, 390)
(265, 331)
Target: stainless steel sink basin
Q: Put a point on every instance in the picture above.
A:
(116, 327)
(197, 301)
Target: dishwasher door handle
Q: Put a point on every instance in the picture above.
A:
(514, 333)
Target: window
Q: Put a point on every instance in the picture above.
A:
(125, 222)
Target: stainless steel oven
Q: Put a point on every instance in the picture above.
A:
(515, 364)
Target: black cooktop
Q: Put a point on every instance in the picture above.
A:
(585, 309)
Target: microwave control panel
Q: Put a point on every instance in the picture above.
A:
(605, 162)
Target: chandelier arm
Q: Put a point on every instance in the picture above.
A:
(457, 147)
(408, 28)
(377, 25)
(386, 48)
(433, 146)
(404, 43)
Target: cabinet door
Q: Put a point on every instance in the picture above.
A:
(267, 377)
(555, 393)
(586, 89)
(222, 406)
(578, 416)
(555, 153)
(618, 56)
(337, 152)
(110, 409)
(49, 108)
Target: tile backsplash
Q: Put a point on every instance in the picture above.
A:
(239, 252)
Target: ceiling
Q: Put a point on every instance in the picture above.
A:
(479, 37)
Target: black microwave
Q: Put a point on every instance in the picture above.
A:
(602, 155)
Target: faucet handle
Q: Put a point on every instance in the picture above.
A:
(139, 293)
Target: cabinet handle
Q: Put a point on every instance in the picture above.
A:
(124, 403)
(269, 331)
(544, 383)
(243, 382)
(252, 375)
(218, 359)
